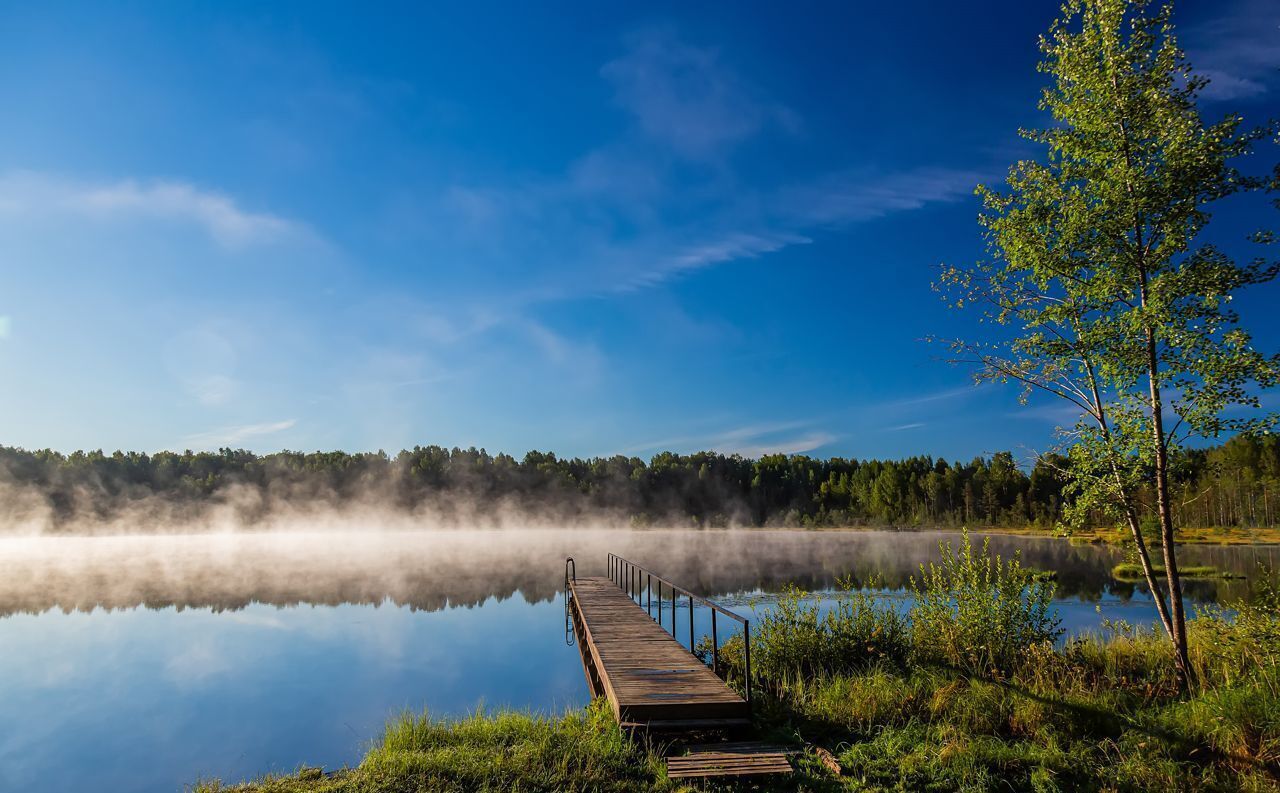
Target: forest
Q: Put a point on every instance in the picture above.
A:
(1232, 484)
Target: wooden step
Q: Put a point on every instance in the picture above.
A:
(687, 725)
(729, 759)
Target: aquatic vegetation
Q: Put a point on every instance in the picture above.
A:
(1132, 571)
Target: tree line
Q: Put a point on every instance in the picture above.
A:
(1234, 484)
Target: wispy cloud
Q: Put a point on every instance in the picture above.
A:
(231, 436)
(1058, 414)
(899, 428)
(685, 97)
(1223, 85)
(790, 445)
(203, 362)
(1239, 50)
(752, 440)
(858, 196)
(28, 194)
(941, 395)
(731, 247)
(663, 200)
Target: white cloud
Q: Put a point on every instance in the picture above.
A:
(231, 436)
(216, 214)
(912, 426)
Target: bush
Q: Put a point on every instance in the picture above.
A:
(978, 612)
(800, 637)
(1230, 645)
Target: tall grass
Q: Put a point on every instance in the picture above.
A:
(806, 634)
(504, 751)
(979, 612)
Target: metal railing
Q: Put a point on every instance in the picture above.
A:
(570, 574)
(638, 582)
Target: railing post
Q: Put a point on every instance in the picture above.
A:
(715, 645)
(659, 602)
(648, 589)
(746, 649)
(690, 622)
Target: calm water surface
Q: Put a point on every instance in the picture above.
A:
(146, 663)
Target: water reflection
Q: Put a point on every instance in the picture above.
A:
(431, 571)
(144, 663)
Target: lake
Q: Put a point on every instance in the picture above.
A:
(144, 663)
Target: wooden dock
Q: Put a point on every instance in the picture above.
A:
(652, 682)
(649, 678)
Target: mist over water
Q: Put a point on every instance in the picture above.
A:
(144, 662)
(431, 570)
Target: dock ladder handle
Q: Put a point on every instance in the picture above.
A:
(638, 581)
(570, 574)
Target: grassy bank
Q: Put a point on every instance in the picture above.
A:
(1221, 535)
(1132, 571)
(1212, 535)
(580, 751)
(969, 691)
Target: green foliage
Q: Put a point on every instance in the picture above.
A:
(1095, 256)
(1239, 642)
(1113, 301)
(980, 612)
(800, 638)
(1101, 713)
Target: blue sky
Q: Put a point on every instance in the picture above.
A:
(585, 228)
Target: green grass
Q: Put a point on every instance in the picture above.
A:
(1132, 571)
(580, 751)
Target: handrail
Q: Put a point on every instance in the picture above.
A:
(570, 574)
(636, 580)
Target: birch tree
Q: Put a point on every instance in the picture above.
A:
(1100, 286)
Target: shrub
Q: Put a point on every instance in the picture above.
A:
(800, 637)
(978, 612)
(1228, 645)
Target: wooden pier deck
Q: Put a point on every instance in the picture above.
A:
(650, 679)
